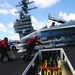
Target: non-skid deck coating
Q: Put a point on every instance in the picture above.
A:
(15, 67)
(18, 66)
(70, 52)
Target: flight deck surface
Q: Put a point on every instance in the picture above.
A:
(14, 67)
(17, 66)
(70, 52)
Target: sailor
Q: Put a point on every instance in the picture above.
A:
(4, 48)
(53, 24)
(30, 46)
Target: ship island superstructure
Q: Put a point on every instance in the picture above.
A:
(23, 25)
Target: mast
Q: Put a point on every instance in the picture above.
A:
(23, 25)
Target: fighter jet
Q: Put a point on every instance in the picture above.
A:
(65, 29)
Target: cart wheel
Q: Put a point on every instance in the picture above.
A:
(14, 48)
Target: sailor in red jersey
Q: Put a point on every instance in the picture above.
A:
(4, 47)
(30, 46)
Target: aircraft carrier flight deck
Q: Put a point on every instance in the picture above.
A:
(17, 66)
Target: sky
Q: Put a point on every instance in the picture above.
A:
(39, 16)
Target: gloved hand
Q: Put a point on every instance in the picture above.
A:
(42, 47)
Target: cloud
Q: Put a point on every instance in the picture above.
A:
(8, 9)
(4, 11)
(5, 5)
(63, 15)
(3, 28)
(10, 31)
(37, 24)
(45, 3)
(15, 37)
(12, 11)
(40, 24)
(10, 28)
(10, 25)
(71, 16)
(7, 29)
